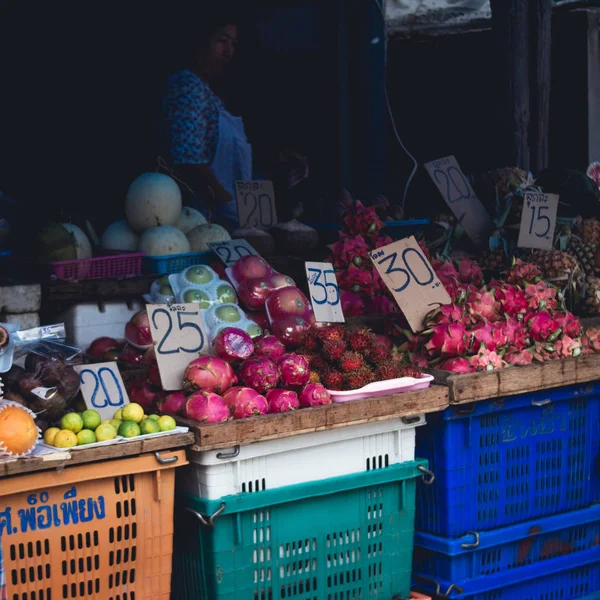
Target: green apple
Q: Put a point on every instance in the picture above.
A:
(200, 298)
(226, 294)
(253, 330)
(166, 290)
(198, 275)
(228, 313)
(164, 280)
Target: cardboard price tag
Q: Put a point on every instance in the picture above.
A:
(460, 197)
(324, 292)
(232, 250)
(411, 279)
(102, 388)
(256, 204)
(538, 221)
(179, 336)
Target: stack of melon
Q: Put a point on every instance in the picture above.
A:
(157, 224)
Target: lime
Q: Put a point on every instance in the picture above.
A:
(91, 419)
(132, 412)
(118, 415)
(149, 426)
(50, 434)
(72, 421)
(155, 417)
(65, 439)
(105, 432)
(116, 423)
(86, 436)
(167, 423)
(129, 429)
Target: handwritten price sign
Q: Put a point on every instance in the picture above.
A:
(256, 204)
(179, 336)
(324, 292)
(538, 220)
(460, 197)
(411, 279)
(232, 250)
(102, 388)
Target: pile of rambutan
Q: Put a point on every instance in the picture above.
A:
(348, 359)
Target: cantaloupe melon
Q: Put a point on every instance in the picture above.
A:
(163, 241)
(190, 218)
(203, 235)
(119, 236)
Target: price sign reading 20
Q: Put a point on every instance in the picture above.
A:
(256, 204)
(408, 275)
(232, 250)
(179, 336)
(324, 292)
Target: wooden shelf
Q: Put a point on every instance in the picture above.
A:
(269, 427)
(59, 460)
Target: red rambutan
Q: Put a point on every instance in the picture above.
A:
(311, 342)
(411, 372)
(330, 332)
(378, 354)
(351, 361)
(318, 363)
(333, 349)
(360, 339)
(389, 370)
(332, 380)
(359, 378)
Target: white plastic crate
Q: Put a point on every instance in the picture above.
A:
(299, 459)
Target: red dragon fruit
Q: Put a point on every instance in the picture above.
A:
(314, 394)
(513, 300)
(541, 296)
(457, 365)
(172, 403)
(446, 272)
(137, 331)
(483, 305)
(206, 407)
(445, 315)
(259, 373)
(469, 272)
(142, 393)
(567, 347)
(522, 273)
(569, 323)
(483, 333)
(515, 333)
(487, 360)
(208, 373)
(245, 402)
(447, 340)
(516, 357)
(282, 400)
(233, 344)
(294, 371)
(542, 326)
(270, 347)
(591, 340)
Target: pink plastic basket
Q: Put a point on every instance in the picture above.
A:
(383, 388)
(103, 267)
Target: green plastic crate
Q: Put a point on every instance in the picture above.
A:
(344, 538)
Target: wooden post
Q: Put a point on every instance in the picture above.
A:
(510, 25)
(540, 34)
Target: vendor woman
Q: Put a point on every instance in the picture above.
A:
(203, 143)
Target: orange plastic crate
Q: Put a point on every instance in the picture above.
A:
(102, 531)
(417, 596)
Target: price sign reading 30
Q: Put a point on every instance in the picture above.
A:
(324, 292)
(102, 388)
(256, 204)
(538, 220)
(411, 279)
(179, 336)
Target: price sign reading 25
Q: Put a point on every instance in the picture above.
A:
(538, 220)
(256, 204)
(179, 336)
(408, 275)
(102, 388)
(324, 292)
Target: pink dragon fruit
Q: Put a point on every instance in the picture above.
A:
(487, 360)
(445, 315)
(382, 305)
(541, 296)
(522, 273)
(591, 340)
(569, 323)
(206, 407)
(270, 347)
(446, 271)
(259, 373)
(447, 340)
(513, 300)
(542, 326)
(457, 365)
(567, 347)
(171, 404)
(294, 371)
(483, 305)
(352, 304)
(282, 400)
(314, 394)
(142, 393)
(515, 333)
(516, 357)
(154, 375)
(208, 373)
(483, 334)
(469, 272)
(233, 344)
(543, 351)
(245, 402)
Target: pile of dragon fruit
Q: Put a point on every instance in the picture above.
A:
(496, 325)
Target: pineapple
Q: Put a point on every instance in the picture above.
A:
(591, 231)
(494, 260)
(585, 253)
(592, 297)
(555, 264)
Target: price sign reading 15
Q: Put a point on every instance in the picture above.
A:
(538, 220)
(179, 336)
(324, 292)
(232, 250)
(411, 279)
(102, 388)
(256, 204)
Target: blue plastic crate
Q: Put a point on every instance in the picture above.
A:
(509, 551)
(164, 265)
(509, 460)
(346, 537)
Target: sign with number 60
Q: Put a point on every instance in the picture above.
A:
(411, 279)
(324, 292)
(102, 388)
(538, 221)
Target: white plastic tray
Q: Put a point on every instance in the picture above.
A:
(383, 388)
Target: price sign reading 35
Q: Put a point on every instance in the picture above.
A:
(538, 220)
(232, 250)
(411, 279)
(179, 336)
(324, 292)
(102, 388)
(256, 204)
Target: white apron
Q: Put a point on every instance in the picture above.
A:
(232, 161)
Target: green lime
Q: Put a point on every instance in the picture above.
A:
(85, 436)
(116, 423)
(91, 419)
(72, 421)
(155, 417)
(129, 429)
(65, 439)
(105, 432)
(132, 412)
(149, 426)
(167, 423)
(118, 414)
